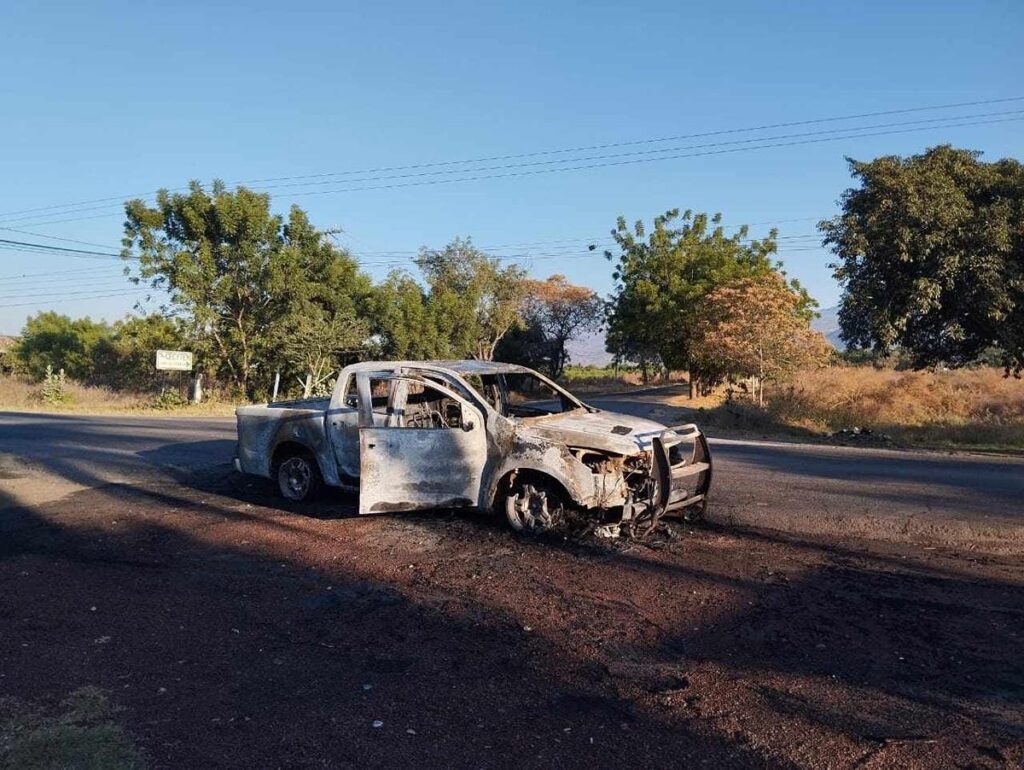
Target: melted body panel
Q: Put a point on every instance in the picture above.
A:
(453, 448)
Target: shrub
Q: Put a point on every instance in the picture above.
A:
(169, 399)
(54, 388)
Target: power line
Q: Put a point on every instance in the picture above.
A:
(534, 172)
(636, 142)
(62, 284)
(60, 299)
(105, 284)
(756, 143)
(566, 150)
(55, 237)
(658, 151)
(610, 164)
(45, 248)
(78, 270)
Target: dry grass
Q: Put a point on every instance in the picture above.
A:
(977, 408)
(19, 395)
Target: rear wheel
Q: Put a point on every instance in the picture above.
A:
(298, 477)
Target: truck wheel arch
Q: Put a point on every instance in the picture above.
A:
(287, 449)
(500, 488)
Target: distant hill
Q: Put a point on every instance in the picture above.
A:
(589, 350)
(828, 324)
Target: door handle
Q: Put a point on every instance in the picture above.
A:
(371, 446)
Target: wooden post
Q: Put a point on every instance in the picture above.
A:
(277, 384)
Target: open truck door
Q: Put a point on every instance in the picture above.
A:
(429, 453)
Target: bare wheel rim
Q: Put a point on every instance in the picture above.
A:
(528, 511)
(295, 477)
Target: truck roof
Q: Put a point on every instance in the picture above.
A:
(465, 366)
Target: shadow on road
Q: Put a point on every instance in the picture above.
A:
(228, 650)
(236, 633)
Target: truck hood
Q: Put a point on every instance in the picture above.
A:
(600, 430)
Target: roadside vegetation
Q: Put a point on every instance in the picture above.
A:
(81, 733)
(930, 257)
(977, 408)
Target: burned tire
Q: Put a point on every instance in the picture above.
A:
(298, 477)
(532, 507)
(694, 514)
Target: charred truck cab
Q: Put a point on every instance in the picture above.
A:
(407, 435)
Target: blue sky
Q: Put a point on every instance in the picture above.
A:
(104, 99)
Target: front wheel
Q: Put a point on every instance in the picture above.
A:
(532, 509)
(298, 478)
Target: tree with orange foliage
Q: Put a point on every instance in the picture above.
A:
(756, 327)
(560, 311)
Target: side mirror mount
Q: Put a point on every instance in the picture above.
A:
(468, 425)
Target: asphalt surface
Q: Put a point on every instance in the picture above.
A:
(803, 488)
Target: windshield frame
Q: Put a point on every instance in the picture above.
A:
(574, 403)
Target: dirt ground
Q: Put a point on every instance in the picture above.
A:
(232, 632)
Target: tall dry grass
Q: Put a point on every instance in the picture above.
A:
(968, 407)
(20, 395)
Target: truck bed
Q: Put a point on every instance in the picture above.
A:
(263, 427)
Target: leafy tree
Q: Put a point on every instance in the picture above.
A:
(403, 320)
(238, 273)
(662, 278)
(560, 311)
(756, 327)
(526, 345)
(316, 341)
(475, 301)
(325, 297)
(125, 360)
(931, 257)
(50, 339)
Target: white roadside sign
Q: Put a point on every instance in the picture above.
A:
(174, 360)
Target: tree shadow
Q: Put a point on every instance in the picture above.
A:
(238, 634)
(880, 648)
(232, 641)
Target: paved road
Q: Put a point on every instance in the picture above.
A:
(794, 487)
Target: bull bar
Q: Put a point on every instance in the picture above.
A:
(683, 485)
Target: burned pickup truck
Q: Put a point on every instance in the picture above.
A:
(407, 435)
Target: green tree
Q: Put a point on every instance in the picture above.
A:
(474, 301)
(239, 274)
(50, 339)
(931, 257)
(324, 297)
(403, 320)
(661, 279)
